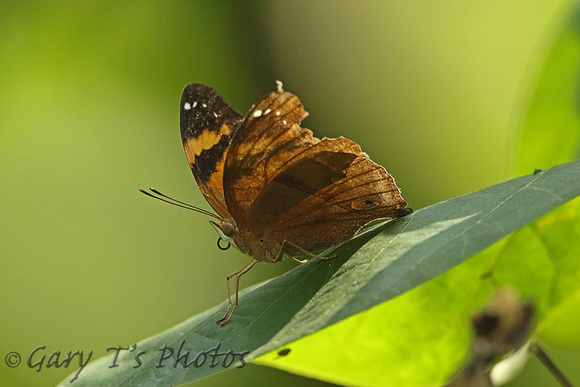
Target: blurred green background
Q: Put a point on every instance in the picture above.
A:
(89, 96)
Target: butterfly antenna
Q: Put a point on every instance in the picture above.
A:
(168, 199)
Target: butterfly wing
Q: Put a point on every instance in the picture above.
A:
(357, 190)
(282, 182)
(208, 125)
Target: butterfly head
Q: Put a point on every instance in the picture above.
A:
(226, 229)
(260, 248)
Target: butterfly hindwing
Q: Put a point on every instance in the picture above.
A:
(208, 125)
(333, 215)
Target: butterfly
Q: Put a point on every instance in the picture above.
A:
(276, 189)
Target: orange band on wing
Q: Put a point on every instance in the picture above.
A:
(206, 140)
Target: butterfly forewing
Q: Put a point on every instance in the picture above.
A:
(208, 125)
(264, 145)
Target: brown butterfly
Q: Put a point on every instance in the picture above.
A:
(276, 188)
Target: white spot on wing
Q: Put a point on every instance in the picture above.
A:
(204, 105)
(194, 104)
(284, 122)
(267, 111)
(187, 106)
(277, 112)
(257, 113)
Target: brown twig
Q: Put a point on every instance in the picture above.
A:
(549, 364)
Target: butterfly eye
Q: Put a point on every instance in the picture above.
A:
(227, 228)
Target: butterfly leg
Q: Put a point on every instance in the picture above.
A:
(232, 306)
(295, 246)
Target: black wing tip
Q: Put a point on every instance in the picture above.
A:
(202, 107)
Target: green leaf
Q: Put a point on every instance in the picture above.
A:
(377, 266)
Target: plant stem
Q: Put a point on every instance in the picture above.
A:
(549, 364)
